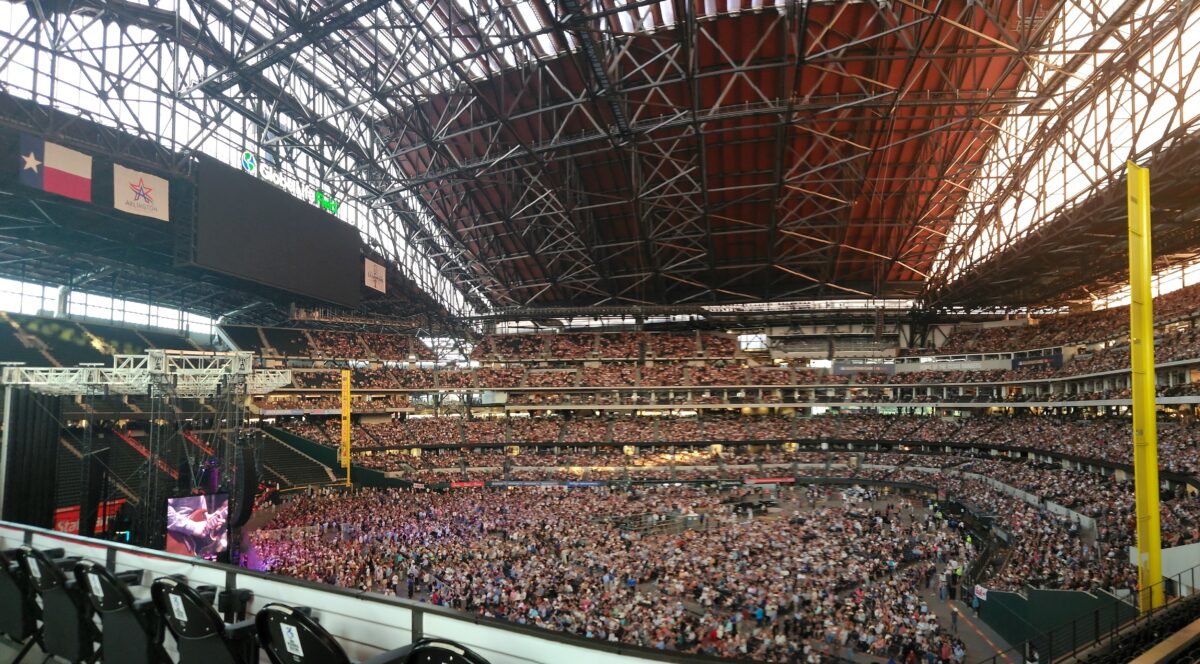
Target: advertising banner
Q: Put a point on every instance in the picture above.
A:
(66, 519)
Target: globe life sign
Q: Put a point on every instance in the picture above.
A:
(324, 200)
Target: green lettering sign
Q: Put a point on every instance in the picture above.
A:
(326, 202)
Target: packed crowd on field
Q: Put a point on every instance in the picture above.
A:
(532, 555)
(1092, 495)
(815, 577)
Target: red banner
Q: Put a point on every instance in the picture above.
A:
(66, 519)
(459, 485)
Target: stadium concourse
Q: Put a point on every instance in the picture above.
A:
(617, 331)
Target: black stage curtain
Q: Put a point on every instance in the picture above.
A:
(31, 437)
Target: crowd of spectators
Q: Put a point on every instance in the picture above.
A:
(330, 344)
(504, 347)
(606, 375)
(619, 345)
(433, 430)
(834, 578)
(378, 403)
(1069, 329)
(662, 374)
(535, 429)
(574, 346)
(1174, 345)
(718, 345)
(717, 375)
(397, 347)
(1100, 439)
(552, 378)
(1105, 439)
(388, 434)
(327, 344)
(672, 345)
(500, 378)
(484, 431)
(1045, 550)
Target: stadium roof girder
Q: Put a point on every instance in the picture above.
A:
(292, 94)
(1137, 57)
(644, 152)
(672, 236)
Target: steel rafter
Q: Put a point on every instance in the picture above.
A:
(156, 56)
(1081, 133)
(608, 153)
(665, 128)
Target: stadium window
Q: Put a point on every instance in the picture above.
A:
(36, 299)
(136, 313)
(1163, 282)
(26, 298)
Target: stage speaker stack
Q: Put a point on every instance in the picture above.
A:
(89, 502)
(245, 487)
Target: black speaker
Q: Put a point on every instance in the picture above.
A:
(96, 476)
(183, 485)
(245, 487)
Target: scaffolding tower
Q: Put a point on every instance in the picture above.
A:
(213, 458)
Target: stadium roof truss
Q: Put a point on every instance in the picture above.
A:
(575, 153)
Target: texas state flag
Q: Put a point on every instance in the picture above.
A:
(53, 168)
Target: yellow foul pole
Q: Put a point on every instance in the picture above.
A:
(1145, 432)
(346, 423)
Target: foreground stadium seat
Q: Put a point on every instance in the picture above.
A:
(67, 628)
(437, 651)
(18, 609)
(200, 633)
(132, 631)
(291, 636)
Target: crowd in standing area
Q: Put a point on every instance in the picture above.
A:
(817, 578)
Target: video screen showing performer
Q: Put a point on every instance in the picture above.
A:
(198, 525)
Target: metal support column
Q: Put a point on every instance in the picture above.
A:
(1145, 434)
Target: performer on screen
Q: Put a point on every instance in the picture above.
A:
(197, 528)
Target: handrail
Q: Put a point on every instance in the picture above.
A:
(1090, 622)
(1172, 646)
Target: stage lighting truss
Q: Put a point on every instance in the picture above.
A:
(179, 373)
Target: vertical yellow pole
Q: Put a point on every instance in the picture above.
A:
(346, 423)
(1145, 431)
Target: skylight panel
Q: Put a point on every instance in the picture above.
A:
(1094, 140)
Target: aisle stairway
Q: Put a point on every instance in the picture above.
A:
(291, 468)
